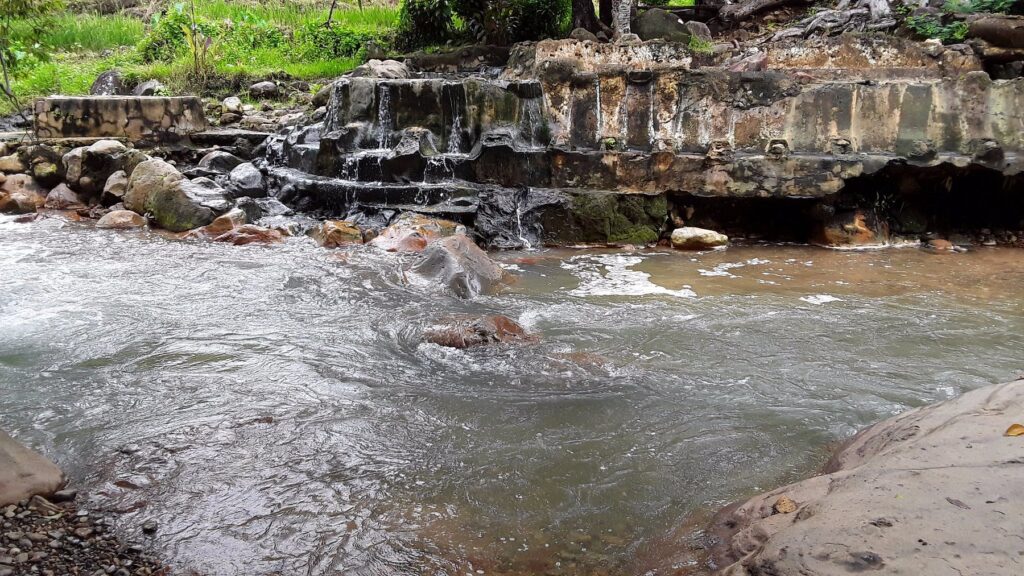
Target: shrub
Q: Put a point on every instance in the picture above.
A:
(424, 22)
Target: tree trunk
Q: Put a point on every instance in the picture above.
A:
(606, 12)
(583, 15)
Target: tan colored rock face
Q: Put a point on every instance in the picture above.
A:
(24, 473)
(337, 233)
(931, 491)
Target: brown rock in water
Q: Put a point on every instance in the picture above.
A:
(24, 473)
(467, 333)
(940, 245)
(223, 224)
(121, 220)
(337, 233)
(931, 491)
(20, 194)
(411, 232)
(250, 234)
(852, 228)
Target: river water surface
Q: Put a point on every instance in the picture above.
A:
(275, 409)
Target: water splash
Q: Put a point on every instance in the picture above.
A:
(384, 119)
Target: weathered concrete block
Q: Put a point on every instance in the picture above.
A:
(132, 117)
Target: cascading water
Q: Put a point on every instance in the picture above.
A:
(384, 120)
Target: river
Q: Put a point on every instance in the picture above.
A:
(276, 411)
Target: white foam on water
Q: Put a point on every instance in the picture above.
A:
(722, 269)
(820, 299)
(612, 275)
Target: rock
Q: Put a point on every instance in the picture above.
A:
(264, 89)
(292, 119)
(225, 223)
(106, 148)
(411, 232)
(1000, 30)
(390, 69)
(148, 88)
(319, 114)
(229, 118)
(87, 168)
(231, 105)
(629, 39)
(657, 24)
(149, 526)
(930, 491)
(461, 266)
(66, 495)
(185, 205)
(250, 234)
(246, 179)
(583, 35)
(852, 228)
(699, 29)
(11, 164)
(109, 83)
(62, 198)
(219, 161)
(121, 220)
(149, 176)
(940, 245)
(784, 505)
(337, 233)
(45, 164)
(24, 473)
(468, 333)
(115, 187)
(690, 238)
(271, 207)
(323, 95)
(21, 194)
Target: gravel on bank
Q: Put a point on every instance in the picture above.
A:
(39, 537)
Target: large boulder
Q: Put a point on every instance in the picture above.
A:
(461, 266)
(149, 176)
(115, 188)
(265, 89)
(932, 491)
(45, 165)
(25, 473)
(87, 168)
(472, 332)
(411, 232)
(185, 205)
(12, 164)
(657, 24)
(691, 238)
(109, 83)
(121, 220)
(219, 161)
(246, 180)
(21, 194)
(63, 198)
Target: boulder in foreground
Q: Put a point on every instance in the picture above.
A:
(461, 266)
(690, 238)
(25, 473)
(935, 490)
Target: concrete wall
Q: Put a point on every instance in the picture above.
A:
(131, 117)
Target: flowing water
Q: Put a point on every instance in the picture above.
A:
(275, 409)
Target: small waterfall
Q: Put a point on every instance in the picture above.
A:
(600, 120)
(519, 220)
(530, 121)
(384, 121)
(455, 138)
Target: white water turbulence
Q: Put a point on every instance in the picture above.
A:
(613, 275)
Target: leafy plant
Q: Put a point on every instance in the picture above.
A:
(199, 44)
(698, 45)
(424, 22)
(35, 15)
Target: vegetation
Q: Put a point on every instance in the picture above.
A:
(427, 22)
(948, 26)
(188, 44)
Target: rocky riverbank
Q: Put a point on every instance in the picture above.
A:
(932, 491)
(43, 532)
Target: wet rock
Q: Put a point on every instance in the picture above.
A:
(469, 333)
(246, 180)
(323, 95)
(412, 232)
(121, 220)
(149, 88)
(337, 233)
(272, 207)
(87, 168)
(265, 89)
(24, 473)
(457, 263)
(219, 161)
(390, 69)
(62, 198)
(657, 24)
(940, 245)
(510, 219)
(229, 118)
(149, 176)
(250, 234)
(225, 223)
(149, 526)
(699, 29)
(21, 194)
(45, 164)
(925, 492)
(583, 35)
(115, 187)
(691, 238)
(852, 228)
(109, 83)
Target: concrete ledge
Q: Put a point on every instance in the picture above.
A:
(132, 117)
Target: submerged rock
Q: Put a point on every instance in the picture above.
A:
(121, 220)
(337, 233)
(690, 238)
(25, 473)
(411, 232)
(852, 228)
(468, 333)
(250, 234)
(927, 492)
(225, 223)
(461, 266)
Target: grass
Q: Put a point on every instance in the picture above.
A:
(82, 46)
